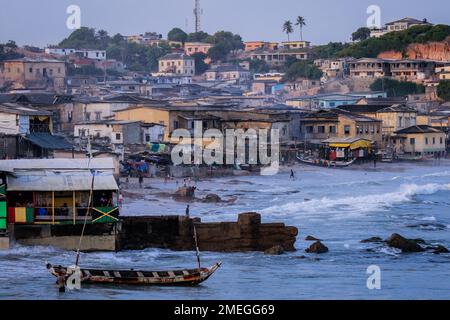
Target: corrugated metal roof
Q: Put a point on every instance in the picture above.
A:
(50, 181)
(49, 141)
(56, 164)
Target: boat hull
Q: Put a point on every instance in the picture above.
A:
(185, 277)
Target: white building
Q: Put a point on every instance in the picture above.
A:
(89, 54)
(177, 63)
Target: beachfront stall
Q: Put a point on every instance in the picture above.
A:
(346, 149)
(61, 193)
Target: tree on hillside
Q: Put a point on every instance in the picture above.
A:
(258, 66)
(396, 88)
(361, 34)
(302, 69)
(200, 36)
(200, 65)
(301, 22)
(83, 38)
(176, 34)
(288, 29)
(443, 90)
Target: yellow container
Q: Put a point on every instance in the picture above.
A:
(21, 215)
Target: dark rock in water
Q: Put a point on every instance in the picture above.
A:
(185, 193)
(406, 245)
(311, 238)
(418, 241)
(372, 240)
(317, 247)
(275, 251)
(301, 257)
(440, 249)
(212, 198)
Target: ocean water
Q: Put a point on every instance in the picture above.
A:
(340, 206)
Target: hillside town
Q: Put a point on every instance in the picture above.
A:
(64, 104)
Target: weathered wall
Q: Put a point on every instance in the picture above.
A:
(89, 243)
(176, 233)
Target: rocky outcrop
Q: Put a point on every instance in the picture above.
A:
(176, 233)
(406, 245)
(185, 193)
(317, 247)
(212, 198)
(372, 240)
(311, 238)
(440, 249)
(274, 251)
(438, 51)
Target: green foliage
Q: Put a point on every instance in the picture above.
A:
(288, 28)
(329, 50)
(258, 66)
(396, 88)
(8, 51)
(361, 34)
(300, 22)
(302, 69)
(199, 37)
(200, 65)
(176, 34)
(443, 90)
(397, 41)
(85, 71)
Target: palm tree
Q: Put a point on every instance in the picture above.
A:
(287, 28)
(301, 22)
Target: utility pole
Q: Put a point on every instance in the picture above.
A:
(197, 13)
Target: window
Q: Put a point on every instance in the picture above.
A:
(434, 140)
(176, 125)
(147, 137)
(87, 116)
(309, 129)
(321, 129)
(442, 141)
(333, 129)
(346, 129)
(31, 70)
(426, 140)
(412, 141)
(98, 116)
(118, 136)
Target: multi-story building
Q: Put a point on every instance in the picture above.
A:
(369, 68)
(260, 45)
(420, 141)
(411, 70)
(177, 63)
(443, 72)
(227, 73)
(398, 25)
(196, 47)
(274, 58)
(27, 73)
(294, 45)
(84, 53)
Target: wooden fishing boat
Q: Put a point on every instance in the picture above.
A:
(186, 277)
(325, 163)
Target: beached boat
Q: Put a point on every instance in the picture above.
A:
(186, 277)
(325, 163)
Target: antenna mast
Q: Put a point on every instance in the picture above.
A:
(197, 13)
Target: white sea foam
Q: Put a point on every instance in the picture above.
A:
(359, 204)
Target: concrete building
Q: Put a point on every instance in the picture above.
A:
(38, 74)
(419, 141)
(228, 73)
(260, 45)
(369, 68)
(411, 70)
(398, 25)
(197, 47)
(177, 63)
(294, 45)
(84, 53)
(276, 58)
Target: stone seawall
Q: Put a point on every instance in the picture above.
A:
(176, 233)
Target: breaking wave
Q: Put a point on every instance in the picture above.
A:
(359, 204)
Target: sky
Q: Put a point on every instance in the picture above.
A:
(43, 22)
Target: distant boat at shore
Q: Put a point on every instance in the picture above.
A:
(324, 163)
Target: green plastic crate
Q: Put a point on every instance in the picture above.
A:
(3, 209)
(3, 224)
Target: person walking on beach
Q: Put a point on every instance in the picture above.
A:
(141, 180)
(120, 200)
(292, 177)
(187, 211)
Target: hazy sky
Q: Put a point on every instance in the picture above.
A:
(42, 22)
